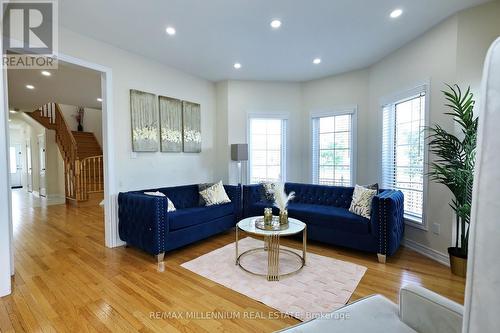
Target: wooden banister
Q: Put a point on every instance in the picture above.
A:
(90, 176)
(82, 176)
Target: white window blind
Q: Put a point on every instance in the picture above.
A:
(403, 149)
(267, 150)
(332, 150)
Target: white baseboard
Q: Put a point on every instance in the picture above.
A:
(427, 251)
(55, 197)
(111, 222)
(5, 292)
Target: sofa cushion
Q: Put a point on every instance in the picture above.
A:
(329, 217)
(257, 208)
(336, 196)
(182, 196)
(183, 218)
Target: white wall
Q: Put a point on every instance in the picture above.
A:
(92, 120)
(54, 167)
(251, 97)
(346, 90)
(131, 71)
(223, 163)
(477, 29)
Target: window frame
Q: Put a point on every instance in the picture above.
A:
(337, 111)
(392, 100)
(284, 141)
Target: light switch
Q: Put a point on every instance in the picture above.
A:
(436, 228)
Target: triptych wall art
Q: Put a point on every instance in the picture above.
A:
(171, 124)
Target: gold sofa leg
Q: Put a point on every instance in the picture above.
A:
(161, 263)
(381, 258)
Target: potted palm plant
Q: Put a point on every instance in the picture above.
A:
(454, 167)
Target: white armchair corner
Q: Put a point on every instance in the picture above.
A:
(428, 312)
(420, 310)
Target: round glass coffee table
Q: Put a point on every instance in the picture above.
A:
(272, 246)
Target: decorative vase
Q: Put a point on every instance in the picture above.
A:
(268, 216)
(458, 262)
(283, 217)
(80, 127)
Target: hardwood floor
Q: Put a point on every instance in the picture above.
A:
(67, 281)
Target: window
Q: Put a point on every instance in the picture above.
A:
(267, 150)
(332, 150)
(403, 151)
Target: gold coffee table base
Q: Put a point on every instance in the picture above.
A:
(273, 271)
(272, 247)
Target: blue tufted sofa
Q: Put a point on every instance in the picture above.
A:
(145, 223)
(325, 210)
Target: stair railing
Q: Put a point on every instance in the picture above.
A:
(90, 178)
(67, 145)
(82, 177)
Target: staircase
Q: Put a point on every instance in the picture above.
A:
(82, 154)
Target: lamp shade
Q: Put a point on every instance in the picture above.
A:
(239, 152)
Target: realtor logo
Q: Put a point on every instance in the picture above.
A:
(29, 34)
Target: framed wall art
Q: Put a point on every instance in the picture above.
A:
(191, 121)
(145, 125)
(170, 124)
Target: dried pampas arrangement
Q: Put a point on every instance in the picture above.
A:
(281, 199)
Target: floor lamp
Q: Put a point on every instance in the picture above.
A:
(239, 153)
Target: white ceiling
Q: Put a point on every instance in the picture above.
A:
(69, 84)
(214, 34)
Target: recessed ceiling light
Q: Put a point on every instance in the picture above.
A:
(170, 31)
(99, 99)
(30, 87)
(237, 65)
(396, 13)
(46, 73)
(317, 61)
(275, 24)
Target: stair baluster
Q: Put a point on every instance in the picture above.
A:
(80, 170)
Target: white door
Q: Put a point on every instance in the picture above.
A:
(16, 166)
(29, 168)
(43, 180)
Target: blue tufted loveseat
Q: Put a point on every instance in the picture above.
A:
(325, 210)
(143, 220)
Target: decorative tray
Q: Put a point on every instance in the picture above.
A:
(275, 226)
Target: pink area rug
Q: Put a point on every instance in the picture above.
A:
(323, 285)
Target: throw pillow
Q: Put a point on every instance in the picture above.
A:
(361, 203)
(155, 194)
(215, 195)
(203, 187)
(170, 206)
(268, 191)
(372, 187)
